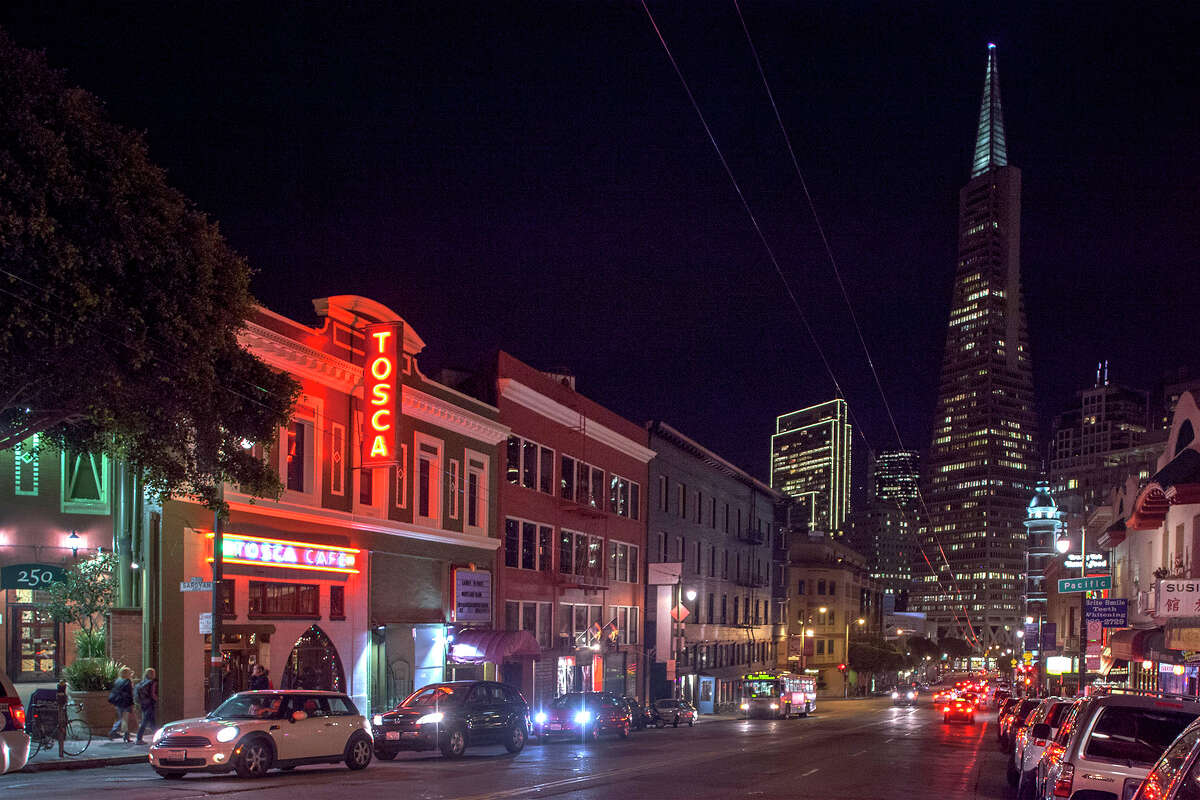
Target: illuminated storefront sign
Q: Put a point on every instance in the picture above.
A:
(380, 380)
(1094, 561)
(258, 551)
(472, 595)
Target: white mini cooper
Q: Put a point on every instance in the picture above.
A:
(252, 732)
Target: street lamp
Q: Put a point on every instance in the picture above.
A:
(691, 595)
(846, 672)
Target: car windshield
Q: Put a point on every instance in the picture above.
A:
(439, 695)
(1134, 735)
(577, 700)
(667, 704)
(250, 706)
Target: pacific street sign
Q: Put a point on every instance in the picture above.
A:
(1084, 584)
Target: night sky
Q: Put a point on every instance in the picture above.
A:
(531, 177)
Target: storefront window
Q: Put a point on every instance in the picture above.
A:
(337, 602)
(297, 454)
(284, 599)
(33, 655)
(228, 604)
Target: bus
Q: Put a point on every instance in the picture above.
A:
(777, 695)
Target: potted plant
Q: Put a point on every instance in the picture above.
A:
(84, 597)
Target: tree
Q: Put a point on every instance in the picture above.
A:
(85, 594)
(122, 301)
(955, 648)
(920, 647)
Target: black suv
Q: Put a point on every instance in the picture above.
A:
(453, 716)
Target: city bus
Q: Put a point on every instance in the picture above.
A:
(777, 695)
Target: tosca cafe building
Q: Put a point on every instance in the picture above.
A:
(378, 553)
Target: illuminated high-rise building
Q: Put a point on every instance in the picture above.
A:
(810, 462)
(983, 458)
(895, 477)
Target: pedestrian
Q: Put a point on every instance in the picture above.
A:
(121, 696)
(259, 680)
(146, 694)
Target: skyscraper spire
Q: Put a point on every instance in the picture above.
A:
(990, 148)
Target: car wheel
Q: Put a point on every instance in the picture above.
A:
(1025, 786)
(254, 758)
(691, 722)
(675, 724)
(386, 755)
(454, 744)
(358, 751)
(514, 742)
(170, 774)
(1011, 774)
(625, 730)
(660, 723)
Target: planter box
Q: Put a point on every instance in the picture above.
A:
(97, 712)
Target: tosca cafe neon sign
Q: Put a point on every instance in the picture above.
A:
(258, 551)
(380, 382)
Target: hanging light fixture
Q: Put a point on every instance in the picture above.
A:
(74, 541)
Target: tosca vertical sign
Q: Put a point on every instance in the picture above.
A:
(381, 385)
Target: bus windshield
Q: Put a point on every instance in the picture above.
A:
(762, 688)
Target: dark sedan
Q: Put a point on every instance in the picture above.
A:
(584, 715)
(452, 717)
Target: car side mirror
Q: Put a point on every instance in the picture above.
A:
(1040, 731)
(298, 716)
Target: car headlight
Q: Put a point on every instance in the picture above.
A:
(158, 734)
(377, 719)
(910, 695)
(227, 734)
(431, 719)
(583, 717)
(540, 718)
(895, 695)
(745, 706)
(774, 706)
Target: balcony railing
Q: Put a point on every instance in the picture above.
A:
(751, 581)
(596, 578)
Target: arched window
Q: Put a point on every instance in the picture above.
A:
(314, 664)
(1186, 435)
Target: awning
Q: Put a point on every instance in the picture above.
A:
(1108, 665)
(475, 646)
(1129, 644)
(1156, 649)
(1177, 483)
(1113, 535)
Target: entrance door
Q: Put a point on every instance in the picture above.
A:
(314, 664)
(707, 686)
(33, 655)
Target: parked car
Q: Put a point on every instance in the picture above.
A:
(639, 714)
(252, 732)
(669, 711)
(999, 696)
(452, 717)
(585, 715)
(1176, 776)
(1029, 746)
(14, 741)
(1113, 742)
(1012, 718)
(1003, 709)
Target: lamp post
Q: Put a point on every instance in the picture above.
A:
(846, 672)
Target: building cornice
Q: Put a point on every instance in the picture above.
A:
(708, 456)
(522, 395)
(436, 411)
(356, 522)
(290, 356)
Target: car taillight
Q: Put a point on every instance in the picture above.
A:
(1062, 786)
(16, 713)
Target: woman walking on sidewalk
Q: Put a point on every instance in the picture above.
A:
(147, 698)
(121, 696)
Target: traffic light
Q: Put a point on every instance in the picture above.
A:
(842, 667)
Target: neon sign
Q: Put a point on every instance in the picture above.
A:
(258, 551)
(380, 381)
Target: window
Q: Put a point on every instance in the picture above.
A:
(736, 600)
(566, 478)
(724, 604)
(529, 616)
(712, 517)
(587, 488)
(699, 506)
(681, 500)
(725, 565)
(284, 600)
(476, 493)
(527, 544)
(711, 605)
(696, 553)
(622, 562)
(800, 587)
(625, 618)
(662, 492)
(833, 588)
(455, 487)
(530, 465)
(679, 547)
(337, 459)
(580, 554)
(712, 561)
(25, 467)
(427, 492)
(85, 483)
(574, 619)
(820, 647)
(228, 599)
(820, 587)
(662, 546)
(337, 602)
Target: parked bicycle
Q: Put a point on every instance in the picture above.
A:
(50, 724)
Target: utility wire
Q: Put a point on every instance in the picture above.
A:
(846, 298)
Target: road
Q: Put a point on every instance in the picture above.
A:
(853, 750)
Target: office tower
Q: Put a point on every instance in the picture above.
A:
(983, 455)
(894, 478)
(810, 462)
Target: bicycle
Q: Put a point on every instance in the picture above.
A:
(49, 725)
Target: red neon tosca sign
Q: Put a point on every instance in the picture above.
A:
(259, 551)
(380, 380)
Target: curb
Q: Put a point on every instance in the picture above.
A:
(84, 763)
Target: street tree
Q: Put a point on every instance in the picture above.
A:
(955, 648)
(123, 302)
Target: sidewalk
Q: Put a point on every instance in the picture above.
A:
(100, 753)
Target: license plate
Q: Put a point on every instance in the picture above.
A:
(172, 755)
(392, 735)
(554, 726)
(411, 734)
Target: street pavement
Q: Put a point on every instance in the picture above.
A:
(850, 750)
